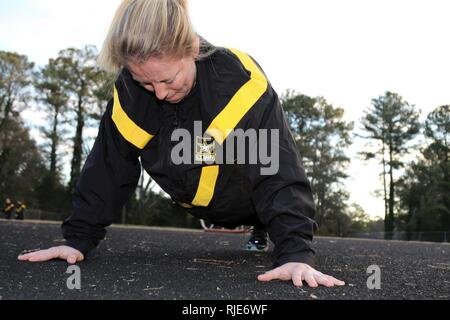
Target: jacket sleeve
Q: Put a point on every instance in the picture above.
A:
(283, 199)
(108, 178)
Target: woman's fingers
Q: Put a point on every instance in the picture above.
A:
(69, 254)
(337, 282)
(41, 256)
(24, 257)
(297, 279)
(28, 256)
(72, 259)
(298, 272)
(268, 276)
(324, 280)
(310, 280)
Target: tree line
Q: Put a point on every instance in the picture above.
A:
(71, 94)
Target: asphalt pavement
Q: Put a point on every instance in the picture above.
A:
(137, 263)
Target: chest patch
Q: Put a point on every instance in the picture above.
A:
(205, 150)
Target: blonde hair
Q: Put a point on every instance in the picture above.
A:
(147, 28)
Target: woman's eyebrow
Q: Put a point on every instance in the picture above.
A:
(168, 80)
(171, 79)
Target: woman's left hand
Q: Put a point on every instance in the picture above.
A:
(299, 272)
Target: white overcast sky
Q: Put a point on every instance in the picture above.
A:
(348, 51)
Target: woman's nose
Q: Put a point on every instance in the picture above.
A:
(161, 91)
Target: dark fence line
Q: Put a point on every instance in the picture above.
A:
(431, 236)
(36, 214)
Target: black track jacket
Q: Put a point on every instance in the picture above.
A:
(232, 92)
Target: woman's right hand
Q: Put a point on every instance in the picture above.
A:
(69, 254)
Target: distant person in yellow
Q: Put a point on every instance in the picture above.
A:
(8, 208)
(20, 210)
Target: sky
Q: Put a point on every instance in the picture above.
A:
(347, 51)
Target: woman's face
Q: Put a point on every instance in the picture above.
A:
(170, 79)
